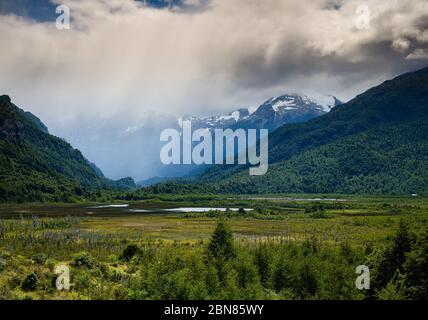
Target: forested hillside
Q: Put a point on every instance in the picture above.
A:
(376, 143)
(36, 166)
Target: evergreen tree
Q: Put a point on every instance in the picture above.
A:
(416, 270)
(221, 244)
(221, 249)
(263, 261)
(390, 262)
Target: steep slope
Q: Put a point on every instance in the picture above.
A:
(376, 143)
(36, 166)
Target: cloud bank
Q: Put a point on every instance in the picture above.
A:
(124, 60)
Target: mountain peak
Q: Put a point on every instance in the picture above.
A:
(375, 143)
(13, 113)
(295, 101)
(273, 113)
(289, 108)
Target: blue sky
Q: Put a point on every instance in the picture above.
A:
(39, 10)
(44, 10)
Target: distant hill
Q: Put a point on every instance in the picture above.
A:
(152, 181)
(36, 166)
(375, 143)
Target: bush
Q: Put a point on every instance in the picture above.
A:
(30, 282)
(39, 258)
(319, 215)
(83, 259)
(392, 291)
(129, 252)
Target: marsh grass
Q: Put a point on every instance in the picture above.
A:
(284, 250)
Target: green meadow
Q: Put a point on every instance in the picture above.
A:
(267, 247)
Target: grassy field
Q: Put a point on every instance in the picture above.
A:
(169, 250)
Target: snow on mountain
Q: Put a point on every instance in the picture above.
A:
(327, 102)
(251, 110)
(288, 108)
(288, 104)
(293, 102)
(273, 113)
(222, 121)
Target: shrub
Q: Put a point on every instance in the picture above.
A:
(319, 215)
(83, 259)
(30, 282)
(129, 252)
(392, 291)
(39, 258)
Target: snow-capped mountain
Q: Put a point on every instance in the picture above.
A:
(137, 146)
(292, 102)
(273, 113)
(289, 108)
(217, 122)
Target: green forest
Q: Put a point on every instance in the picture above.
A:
(377, 143)
(38, 167)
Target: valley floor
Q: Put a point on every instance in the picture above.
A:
(288, 247)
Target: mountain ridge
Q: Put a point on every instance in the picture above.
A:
(375, 143)
(36, 166)
(271, 114)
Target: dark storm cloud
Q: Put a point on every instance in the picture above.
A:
(395, 42)
(380, 58)
(123, 56)
(125, 64)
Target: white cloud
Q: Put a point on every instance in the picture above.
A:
(401, 45)
(122, 58)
